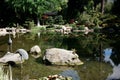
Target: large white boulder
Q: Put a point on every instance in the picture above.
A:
(61, 57)
(18, 57)
(35, 51)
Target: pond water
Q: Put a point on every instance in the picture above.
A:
(91, 48)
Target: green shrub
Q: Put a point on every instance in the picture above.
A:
(108, 7)
(58, 27)
(29, 24)
(50, 26)
(59, 20)
(50, 20)
(97, 29)
(81, 27)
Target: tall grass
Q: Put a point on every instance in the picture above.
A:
(3, 75)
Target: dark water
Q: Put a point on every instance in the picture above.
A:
(89, 47)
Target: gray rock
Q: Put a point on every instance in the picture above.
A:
(35, 51)
(61, 57)
(23, 53)
(18, 57)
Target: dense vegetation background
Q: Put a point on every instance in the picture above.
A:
(88, 12)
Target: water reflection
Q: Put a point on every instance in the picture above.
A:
(107, 54)
(116, 73)
(13, 31)
(85, 45)
(116, 69)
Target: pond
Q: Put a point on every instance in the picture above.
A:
(90, 49)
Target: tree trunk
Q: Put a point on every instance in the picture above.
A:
(38, 22)
(102, 6)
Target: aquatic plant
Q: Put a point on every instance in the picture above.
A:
(3, 75)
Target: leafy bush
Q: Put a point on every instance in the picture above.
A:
(81, 27)
(83, 18)
(108, 7)
(89, 19)
(50, 26)
(50, 20)
(29, 24)
(107, 17)
(72, 25)
(96, 29)
(58, 27)
(59, 20)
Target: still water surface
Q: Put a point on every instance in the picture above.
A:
(90, 48)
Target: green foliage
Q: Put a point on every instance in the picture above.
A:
(54, 40)
(29, 24)
(34, 30)
(98, 7)
(59, 20)
(50, 20)
(92, 17)
(83, 18)
(89, 18)
(50, 29)
(72, 25)
(81, 27)
(54, 20)
(96, 29)
(34, 8)
(37, 7)
(88, 12)
(89, 6)
(50, 26)
(107, 17)
(58, 27)
(108, 7)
